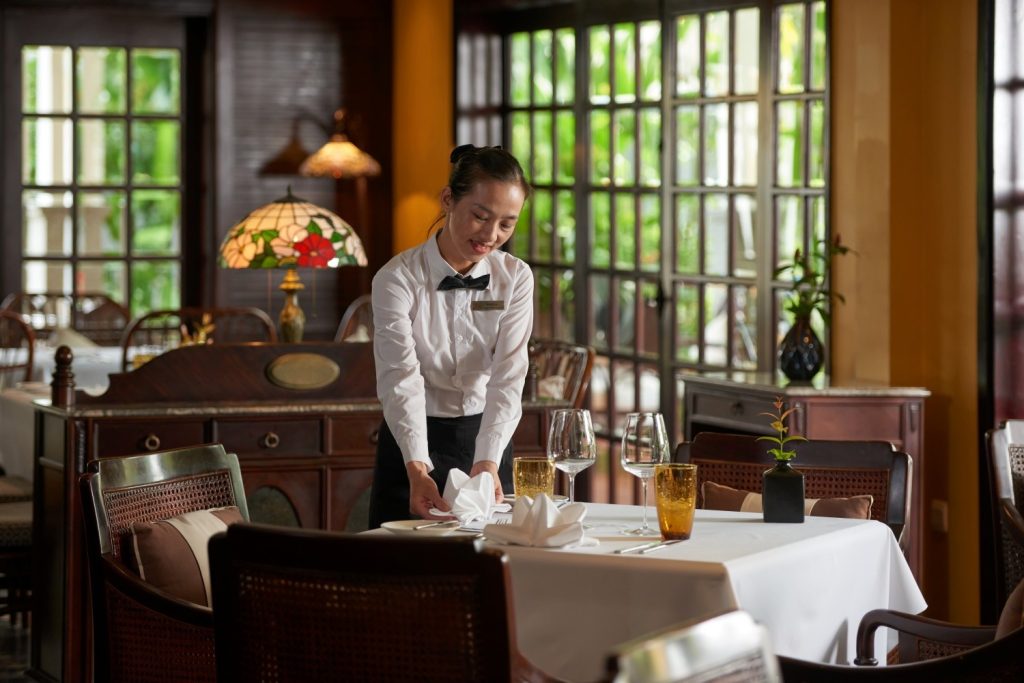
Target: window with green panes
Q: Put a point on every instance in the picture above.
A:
(101, 173)
(678, 159)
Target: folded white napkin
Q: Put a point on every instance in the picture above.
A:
(539, 522)
(551, 387)
(470, 499)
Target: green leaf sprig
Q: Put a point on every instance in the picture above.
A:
(810, 279)
(779, 425)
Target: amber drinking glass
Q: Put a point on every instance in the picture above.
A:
(533, 476)
(675, 492)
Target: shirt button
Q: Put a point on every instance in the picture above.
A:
(458, 338)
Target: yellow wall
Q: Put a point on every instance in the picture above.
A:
(423, 114)
(904, 155)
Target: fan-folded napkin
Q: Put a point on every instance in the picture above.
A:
(470, 498)
(539, 522)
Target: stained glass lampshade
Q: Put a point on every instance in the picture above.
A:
(291, 233)
(339, 159)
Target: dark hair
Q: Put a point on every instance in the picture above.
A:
(470, 165)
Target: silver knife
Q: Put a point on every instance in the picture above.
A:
(659, 546)
(641, 547)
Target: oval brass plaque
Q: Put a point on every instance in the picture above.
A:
(302, 371)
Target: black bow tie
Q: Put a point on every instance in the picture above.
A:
(452, 282)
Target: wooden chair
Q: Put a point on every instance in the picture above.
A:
(728, 648)
(162, 330)
(300, 605)
(93, 314)
(17, 344)
(139, 632)
(1005, 453)
(832, 469)
(357, 321)
(929, 651)
(562, 359)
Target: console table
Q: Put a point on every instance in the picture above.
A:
(302, 418)
(733, 402)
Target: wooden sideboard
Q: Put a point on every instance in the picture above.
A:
(306, 455)
(733, 402)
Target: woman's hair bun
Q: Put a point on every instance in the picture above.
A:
(460, 152)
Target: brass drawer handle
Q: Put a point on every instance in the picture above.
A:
(375, 436)
(271, 440)
(151, 442)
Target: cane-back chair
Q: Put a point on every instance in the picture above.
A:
(832, 469)
(1006, 471)
(301, 605)
(571, 362)
(92, 314)
(357, 321)
(141, 633)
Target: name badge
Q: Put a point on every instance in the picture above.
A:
(482, 305)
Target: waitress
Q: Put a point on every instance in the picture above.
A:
(452, 319)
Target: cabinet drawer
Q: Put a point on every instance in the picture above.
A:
(739, 410)
(351, 434)
(269, 437)
(143, 436)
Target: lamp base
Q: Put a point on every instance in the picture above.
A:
(292, 320)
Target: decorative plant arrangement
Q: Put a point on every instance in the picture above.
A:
(801, 353)
(779, 425)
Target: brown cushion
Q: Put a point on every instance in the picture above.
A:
(718, 497)
(1012, 616)
(171, 554)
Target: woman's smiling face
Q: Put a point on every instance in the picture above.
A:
(480, 222)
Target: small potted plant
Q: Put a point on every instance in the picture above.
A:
(801, 353)
(783, 487)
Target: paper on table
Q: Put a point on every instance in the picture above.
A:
(539, 522)
(470, 499)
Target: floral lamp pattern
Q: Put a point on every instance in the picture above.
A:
(291, 232)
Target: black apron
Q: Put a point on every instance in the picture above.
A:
(451, 443)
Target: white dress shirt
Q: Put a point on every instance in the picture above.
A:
(440, 354)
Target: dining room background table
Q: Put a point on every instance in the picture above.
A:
(808, 583)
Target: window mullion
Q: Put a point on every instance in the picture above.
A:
(765, 188)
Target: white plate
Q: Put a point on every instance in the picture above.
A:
(408, 526)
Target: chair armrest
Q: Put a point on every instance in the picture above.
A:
(1012, 520)
(523, 671)
(152, 598)
(922, 628)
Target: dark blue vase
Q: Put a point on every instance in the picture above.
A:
(801, 353)
(782, 495)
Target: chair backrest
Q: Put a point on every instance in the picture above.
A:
(139, 632)
(730, 647)
(93, 314)
(159, 331)
(832, 469)
(17, 344)
(306, 605)
(357, 321)
(572, 362)
(1006, 469)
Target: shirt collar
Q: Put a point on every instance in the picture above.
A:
(439, 268)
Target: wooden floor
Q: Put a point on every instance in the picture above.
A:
(14, 649)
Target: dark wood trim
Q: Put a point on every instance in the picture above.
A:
(986, 382)
(196, 211)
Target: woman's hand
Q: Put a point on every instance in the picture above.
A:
(423, 493)
(492, 467)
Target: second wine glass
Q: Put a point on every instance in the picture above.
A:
(571, 444)
(644, 446)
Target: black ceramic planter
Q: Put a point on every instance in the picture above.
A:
(801, 353)
(783, 494)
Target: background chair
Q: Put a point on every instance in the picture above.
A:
(93, 314)
(162, 330)
(562, 359)
(929, 651)
(298, 605)
(17, 344)
(139, 632)
(1006, 472)
(727, 648)
(357, 321)
(832, 469)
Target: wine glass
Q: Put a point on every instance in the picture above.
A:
(571, 444)
(644, 446)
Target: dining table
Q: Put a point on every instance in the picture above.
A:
(808, 583)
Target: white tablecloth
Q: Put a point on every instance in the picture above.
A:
(809, 583)
(17, 431)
